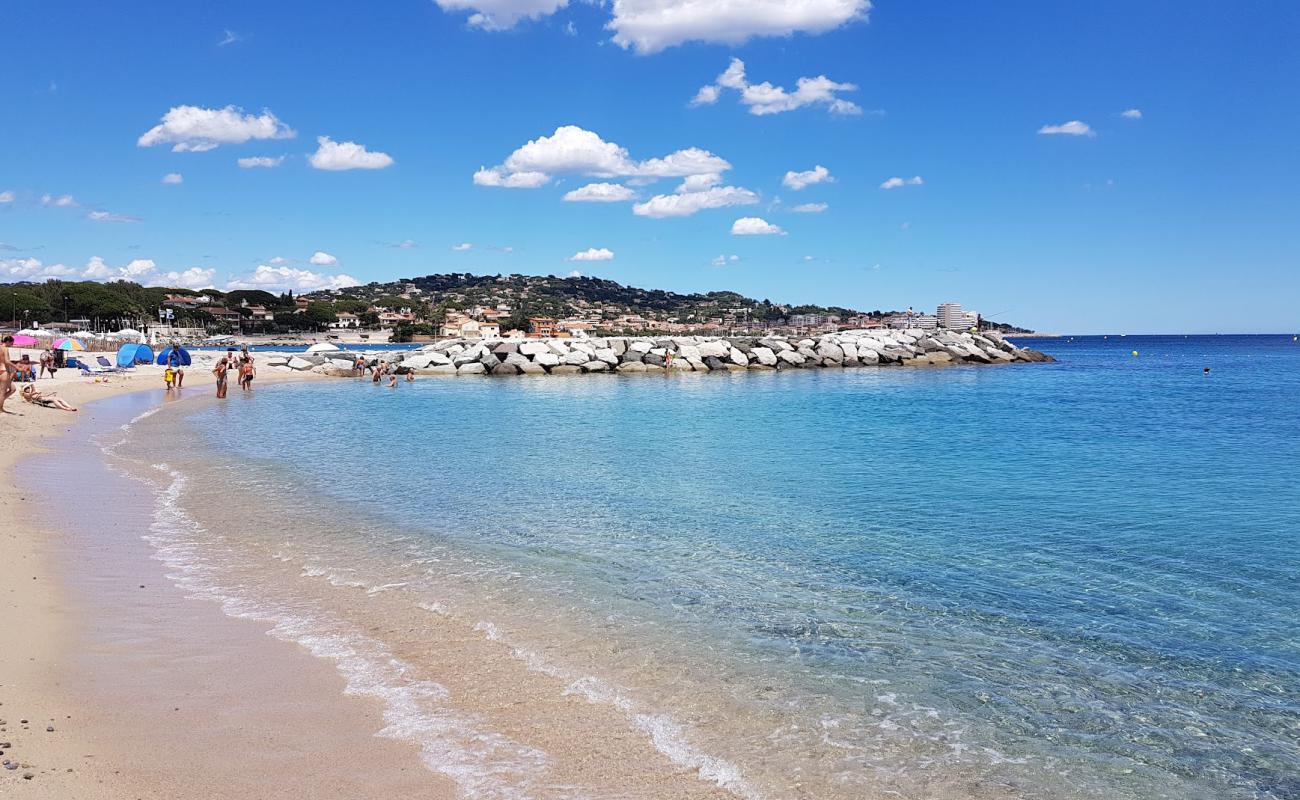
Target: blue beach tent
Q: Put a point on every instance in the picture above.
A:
(128, 355)
(167, 351)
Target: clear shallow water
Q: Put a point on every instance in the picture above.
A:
(1067, 580)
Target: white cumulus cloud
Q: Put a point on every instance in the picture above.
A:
(173, 178)
(322, 259)
(652, 25)
(722, 261)
(800, 180)
(683, 204)
(600, 193)
(765, 98)
(698, 183)
(195, 129)
(338, 156)
(281, 278)
(572, 150)
(1132, 113)
(499, 15)
(6, 196)
(898, 183)
(1072, 128)
(593, 254)
(755, 226)
(268, 162)
(192, 278)
(462, 247)
(810, 208)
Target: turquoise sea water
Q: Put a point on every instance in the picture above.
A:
(1078, 579)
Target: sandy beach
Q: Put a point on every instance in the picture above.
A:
(110, 677)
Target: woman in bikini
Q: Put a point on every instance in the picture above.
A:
(221, 370)
(47, 400)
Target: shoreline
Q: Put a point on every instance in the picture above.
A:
(112, 674)
(137, 670)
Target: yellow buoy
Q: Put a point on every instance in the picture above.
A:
(1135, 352)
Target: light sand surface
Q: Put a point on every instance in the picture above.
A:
(148, 693)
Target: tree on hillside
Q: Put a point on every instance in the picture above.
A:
(254, 297)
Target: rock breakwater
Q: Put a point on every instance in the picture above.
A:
(634, 354)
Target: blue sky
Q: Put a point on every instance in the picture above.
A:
(1183, 218)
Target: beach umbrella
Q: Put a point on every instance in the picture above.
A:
(85, 335)
(127, 333)
(185, 356)
(323, 347)
(23, 340)
(66, 343)
(32, 332)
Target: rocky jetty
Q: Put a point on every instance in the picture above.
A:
(635, 354)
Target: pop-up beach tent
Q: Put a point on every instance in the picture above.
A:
(128, 355)
(166, 351)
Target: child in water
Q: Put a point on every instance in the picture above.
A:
(169, 378)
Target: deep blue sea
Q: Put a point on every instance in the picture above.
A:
(1069, 580)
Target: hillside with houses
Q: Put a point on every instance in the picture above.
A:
(448, 305)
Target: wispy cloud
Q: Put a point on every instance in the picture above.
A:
(1132, 113)
(764, 98)
(59, 201)
(810, 208)
(897, 183)
(108, 216)
(229, 38)
(268, 162)
(1072, 128)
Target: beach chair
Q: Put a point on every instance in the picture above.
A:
(93, 369)
(107, 365)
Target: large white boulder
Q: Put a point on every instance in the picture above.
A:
(717, 349)
(765, 356)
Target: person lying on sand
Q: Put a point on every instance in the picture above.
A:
(48, 400)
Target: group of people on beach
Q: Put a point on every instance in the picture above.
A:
(241, 364)
(10, 371)
(380, 370)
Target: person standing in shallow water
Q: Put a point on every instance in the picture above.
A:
(246, 374)
(176, 364)
(222, 371)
